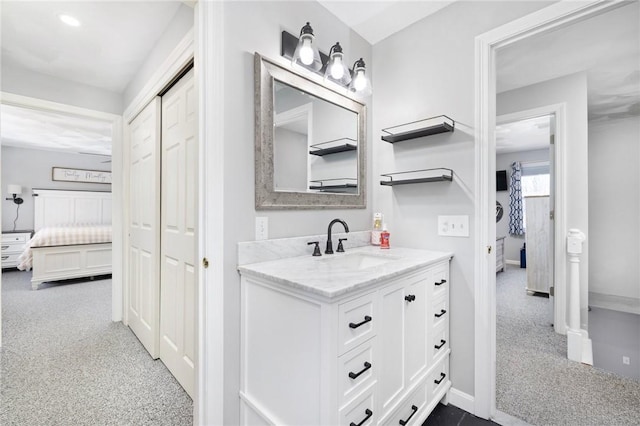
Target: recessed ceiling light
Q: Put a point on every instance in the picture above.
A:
(69, 20)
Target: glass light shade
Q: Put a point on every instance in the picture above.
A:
(360, 84)
(306, 53)
(14, 189)
(336, 70)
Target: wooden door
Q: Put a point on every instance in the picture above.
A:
(144, 221)
(178, 291)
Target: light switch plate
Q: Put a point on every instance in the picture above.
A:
(262, 228)
(453, 226)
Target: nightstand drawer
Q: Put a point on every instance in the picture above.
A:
(12, 247)
(15, 238)
(10, 260)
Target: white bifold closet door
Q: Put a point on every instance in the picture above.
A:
(144, 227)
(178, 301)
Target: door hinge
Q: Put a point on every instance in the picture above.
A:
(552, 215)
(489, 249)
(553, 139)
(205, 262)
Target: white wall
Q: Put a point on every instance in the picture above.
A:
(31, 168)
(255, 27)
(614, 207)
(20, 81)
(513, 243)
(422, 71)
(571, 90)
(179, 26)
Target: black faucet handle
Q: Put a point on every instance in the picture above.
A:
(316, 249)
(340, 248)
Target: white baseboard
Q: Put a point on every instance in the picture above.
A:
(461, 400)
(512, 262)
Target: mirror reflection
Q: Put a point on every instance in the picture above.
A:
(315, 143)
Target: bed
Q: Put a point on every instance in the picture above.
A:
(72, 238)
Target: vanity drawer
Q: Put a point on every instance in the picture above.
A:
(356, 322)
(438, 379)
(439, 342)
(440, 277)
(356, 371)
(440, 312)
(361, 411)
(411, 409)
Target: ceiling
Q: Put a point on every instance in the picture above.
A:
(110, 46)
(523, 135)
(105, 51)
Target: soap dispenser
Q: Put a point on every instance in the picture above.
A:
(384, 237)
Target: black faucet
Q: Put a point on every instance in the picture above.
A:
(329, 249)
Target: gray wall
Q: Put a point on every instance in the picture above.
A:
(614, 207)
(180, 25)
(614, 335)
(572, 91)
(255, 27)
(513, 243)
(425, 70)
(31, 168)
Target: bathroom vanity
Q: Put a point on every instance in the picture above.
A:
(356, 338)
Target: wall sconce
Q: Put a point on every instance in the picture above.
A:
(332, 67)
(15, 190)
(306, 51)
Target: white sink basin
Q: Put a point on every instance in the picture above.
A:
(357, 261)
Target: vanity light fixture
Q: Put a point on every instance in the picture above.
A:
(69, 20)
(306, 51)
(336, 70)
(360, 82)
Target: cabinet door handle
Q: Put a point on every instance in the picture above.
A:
(442, 376)
(442, 343)
(442, 312)
(415, 410)
(441, 282)
(367, 365)
(367, 318)
(410, 297)
(368, 412)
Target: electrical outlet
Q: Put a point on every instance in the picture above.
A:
(262, 228)
(626, 360)
(453, 226)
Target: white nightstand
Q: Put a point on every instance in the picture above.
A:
(12, 247)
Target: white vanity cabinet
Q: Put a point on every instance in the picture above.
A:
(372, 356)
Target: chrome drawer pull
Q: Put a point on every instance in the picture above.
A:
(367, 365)
(369, 413)
(5, 247)
(441, 282)
(442, 376)
(442, 343)
(5, 257)
(367, 318)
(442, 312)
(415, 410)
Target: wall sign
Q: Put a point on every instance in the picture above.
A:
(78, 175)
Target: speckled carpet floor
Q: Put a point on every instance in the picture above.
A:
(63, 362)
(535, 380)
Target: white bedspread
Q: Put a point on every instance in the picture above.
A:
(64, 236)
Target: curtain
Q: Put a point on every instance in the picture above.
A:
(516, 217)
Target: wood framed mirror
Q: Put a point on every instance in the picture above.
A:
(310, 142)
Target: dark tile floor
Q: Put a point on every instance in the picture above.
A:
(446, 415)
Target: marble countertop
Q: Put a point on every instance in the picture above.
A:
(333, 275)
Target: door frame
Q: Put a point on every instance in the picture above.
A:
(560, 205)
(116, 186)
(552, 17)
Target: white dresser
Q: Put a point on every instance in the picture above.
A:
(12, 247)
(375, 354)
(500, 254)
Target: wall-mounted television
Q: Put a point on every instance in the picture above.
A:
(501, 180)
